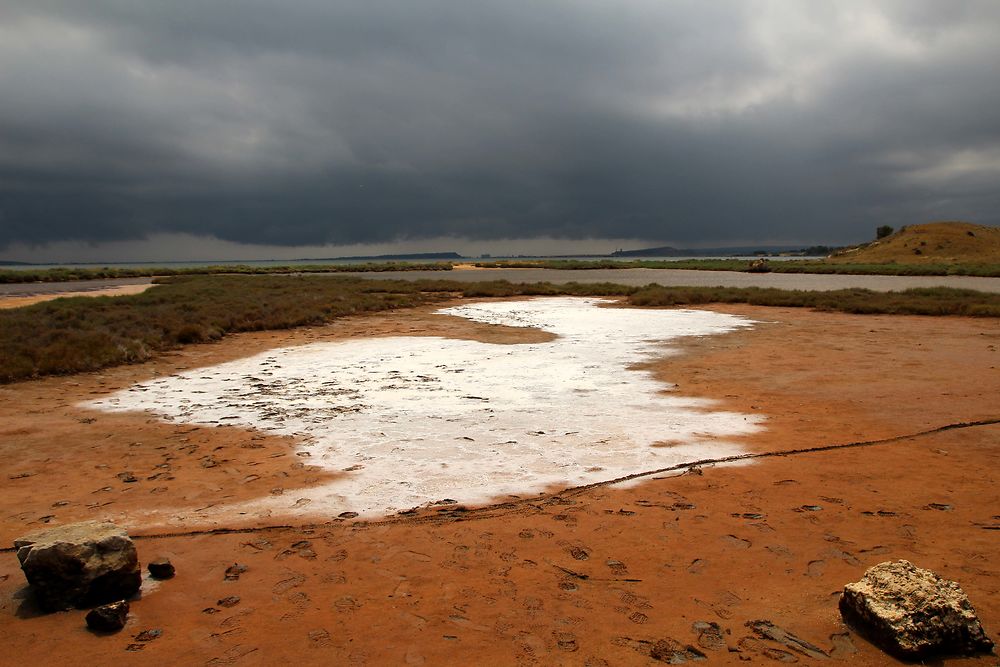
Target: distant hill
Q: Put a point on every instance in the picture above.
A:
(931, 243)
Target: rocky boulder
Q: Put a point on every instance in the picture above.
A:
(913, 613)
(79, 565)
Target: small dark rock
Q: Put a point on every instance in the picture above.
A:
(230, 601)
(108, 617)
(347, 515)
(127, 477)
(234, 571)
(161, 568)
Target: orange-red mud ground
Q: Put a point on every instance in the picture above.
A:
(601, 576)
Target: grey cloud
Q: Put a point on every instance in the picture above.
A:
(308, 122)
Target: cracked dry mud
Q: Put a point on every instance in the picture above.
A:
(675, 566)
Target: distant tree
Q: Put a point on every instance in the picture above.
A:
(883, 231)
(817, 250)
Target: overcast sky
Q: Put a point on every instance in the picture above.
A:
(132, 129)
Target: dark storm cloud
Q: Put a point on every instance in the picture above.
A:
(308, 122)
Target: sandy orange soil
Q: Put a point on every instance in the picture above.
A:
(684, 561)
(9, 301)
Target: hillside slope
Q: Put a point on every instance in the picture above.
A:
(931, 243)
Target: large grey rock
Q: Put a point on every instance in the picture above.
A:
(913, 613)
(79, 565)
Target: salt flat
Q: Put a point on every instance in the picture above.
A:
(416, 420)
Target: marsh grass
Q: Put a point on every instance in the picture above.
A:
(920, 301)
(74, 334)
(78, 273)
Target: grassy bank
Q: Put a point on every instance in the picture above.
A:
(76, 334)
(920, 301)
(776, 266)
(65, 274)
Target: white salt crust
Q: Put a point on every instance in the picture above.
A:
(415, 420)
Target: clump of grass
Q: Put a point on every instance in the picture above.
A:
(70, 335)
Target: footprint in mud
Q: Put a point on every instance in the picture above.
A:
(754, 645)
(579, 553)
(779, 550)
(414, 657)
(617, 567)
(346, 604)
(737, 542)
(697, 565)
(815, 568)
(808, 508)
(319, 638)
(285, 585)
(876, 550)
(941, 507)
(298, 598)
(566, 641)
(334, 578)
(231, 656)
(464, 622)
(720, 609)
(673, 652)
(709, 635)
(845, 556)
(843, 646)
(302, 549)
(533, 604)
(634, 600)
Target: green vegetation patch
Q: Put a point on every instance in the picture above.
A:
(74, 334)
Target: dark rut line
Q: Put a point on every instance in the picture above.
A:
(459, 513)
